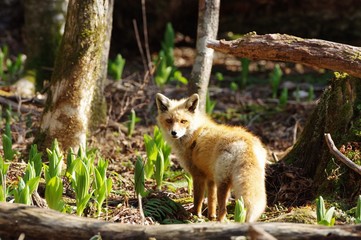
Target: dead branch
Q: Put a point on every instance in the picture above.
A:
(334, 151)
(39, 223)
(287, 48)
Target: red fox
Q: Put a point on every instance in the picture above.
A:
(217, 156)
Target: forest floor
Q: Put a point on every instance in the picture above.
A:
(277, 124)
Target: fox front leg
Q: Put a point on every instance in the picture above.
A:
(198, 194)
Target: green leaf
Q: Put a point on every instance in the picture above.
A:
(54, 193)
(329, 214)
(35, 158)
(7, 146)
(358, 210)
(240, 211)
(33, 184)
(69, 160)
(2, 194)
(139, 177)
(25, 196)
(4, 167)
(320, 209)
(159, 169)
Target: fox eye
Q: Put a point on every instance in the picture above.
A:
(169, 120)
(183, 121)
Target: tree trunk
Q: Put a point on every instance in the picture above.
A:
(337, 113)
(38, 223)
(98, 114)
(208, 17)
(43, 29)
(78, 74)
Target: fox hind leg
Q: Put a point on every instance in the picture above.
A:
(212, 200)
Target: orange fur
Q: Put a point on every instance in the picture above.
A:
(218, 157)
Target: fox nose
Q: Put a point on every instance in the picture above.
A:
(174, 133)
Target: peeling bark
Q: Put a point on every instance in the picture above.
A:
(78, 74)
(37, 223)
(282, 47)
(208, 18)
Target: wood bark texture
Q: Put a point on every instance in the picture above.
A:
(208, 18)
(282, 47)
(38, 223)
(79, 68)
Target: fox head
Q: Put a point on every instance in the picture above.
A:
(177, 118)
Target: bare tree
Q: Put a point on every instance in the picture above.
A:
(77, 81)
(208, 18)
(43, 30)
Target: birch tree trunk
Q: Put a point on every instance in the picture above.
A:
(78, 74)
(338, 110)
(43, 30)
(208, 18)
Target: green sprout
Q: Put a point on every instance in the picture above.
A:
(81, 172)
(210, 104)
(159, 169)
(283, 98)
(324, 217)
(35, 158)
(165, 68)
(358, 210)
(116, 67)
(4, 167)
(240, 211)
(275, 79)
(311, 93)
(3, 53)
(9, 153)
(139, 178)
(26, 186)
(155, 146)
(189, 179)
(54, 193)
(133, 119)
(103, 185)
(245, 72)
(55, 162)
(10, 70)
(81, 183)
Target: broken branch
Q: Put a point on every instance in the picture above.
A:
(334, 151)
(287, 48)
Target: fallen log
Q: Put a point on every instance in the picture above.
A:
(38, 223)
(287, 48)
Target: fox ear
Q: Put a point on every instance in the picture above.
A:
(192, 103)
(162, 102)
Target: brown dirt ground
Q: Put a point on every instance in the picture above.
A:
(251, 107)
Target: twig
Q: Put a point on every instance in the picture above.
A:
(295, 128)
(257, 233)
(274, 156)
(142, 217)
(14, 105)
(139, 43)
(145, 32)
(334, 151)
